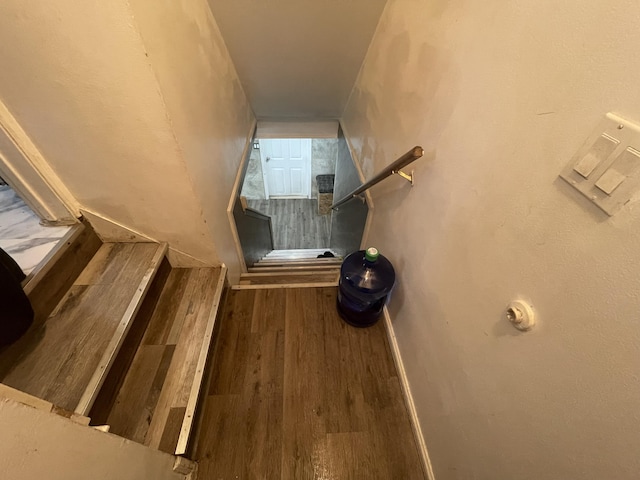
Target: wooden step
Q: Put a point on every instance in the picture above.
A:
(55, 274)
(289, 268)
(65, 358)
(294, 263)
(155, 401)
(300, 253)
(288, 279)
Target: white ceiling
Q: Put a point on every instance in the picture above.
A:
(297, 58)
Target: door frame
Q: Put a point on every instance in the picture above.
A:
(26, 171)
(308, 169)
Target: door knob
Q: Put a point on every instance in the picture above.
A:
(268, 158)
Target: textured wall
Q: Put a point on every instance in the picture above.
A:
(78, 80)
(501, 95)
(209, 112)
(253, 184)
(324, 152)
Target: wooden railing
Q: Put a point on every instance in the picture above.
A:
(393, 169)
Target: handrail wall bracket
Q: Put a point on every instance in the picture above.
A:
(408, 177)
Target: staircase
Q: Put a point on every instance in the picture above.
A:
(119, 336)
(292, 269)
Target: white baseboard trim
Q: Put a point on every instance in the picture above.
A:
(111, 231)
(179, 259)
(408, 398)
(26, 170)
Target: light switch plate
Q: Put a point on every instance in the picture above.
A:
(606, 169)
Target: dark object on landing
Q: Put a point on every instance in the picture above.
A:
(11, 266)
(16, 314)
(326, 254)
(325, 183)
(366, 279)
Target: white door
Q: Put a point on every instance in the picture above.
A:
(286, 166)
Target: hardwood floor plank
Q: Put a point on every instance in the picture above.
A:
(190, 340)
(167, 308)
(52, 286)
(171, 430)
(296, 222)
(353, 455)
(221, 452)
(345, 402)
(263, 394)
(303, 385)
(125, 420)
(319, 399)
(97, 264)
(233, 344)
(268, 310)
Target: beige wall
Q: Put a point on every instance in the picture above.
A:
(501, 95)
(209, 112)
(40, 445)
(82, 84)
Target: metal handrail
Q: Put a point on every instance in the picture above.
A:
(393, 169)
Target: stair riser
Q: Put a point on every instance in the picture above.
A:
(47, 289)
(285, 269)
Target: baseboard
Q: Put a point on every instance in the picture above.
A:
(179, 259)
(111, 231)
(28, 172)
(408, 398)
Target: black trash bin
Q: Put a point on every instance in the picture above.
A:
(16, 314)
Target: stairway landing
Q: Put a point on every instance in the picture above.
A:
(295, 268)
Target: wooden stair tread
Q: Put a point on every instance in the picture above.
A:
(310, 261)
(301, 253)
(294, 268)
(289, 279)
(155, 403)
(59, 357)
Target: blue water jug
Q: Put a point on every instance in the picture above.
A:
(366, 279)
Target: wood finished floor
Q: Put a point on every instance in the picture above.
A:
(56, 359)
(295, 222)
(295, 393)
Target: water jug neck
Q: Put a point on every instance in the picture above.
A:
(371, 254)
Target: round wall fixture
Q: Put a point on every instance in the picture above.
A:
(521, 315)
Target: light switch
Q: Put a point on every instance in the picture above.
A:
(599, 152)
(609, 181)
(624, 166)
(606, 168)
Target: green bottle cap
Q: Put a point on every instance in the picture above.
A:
(371, 254)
